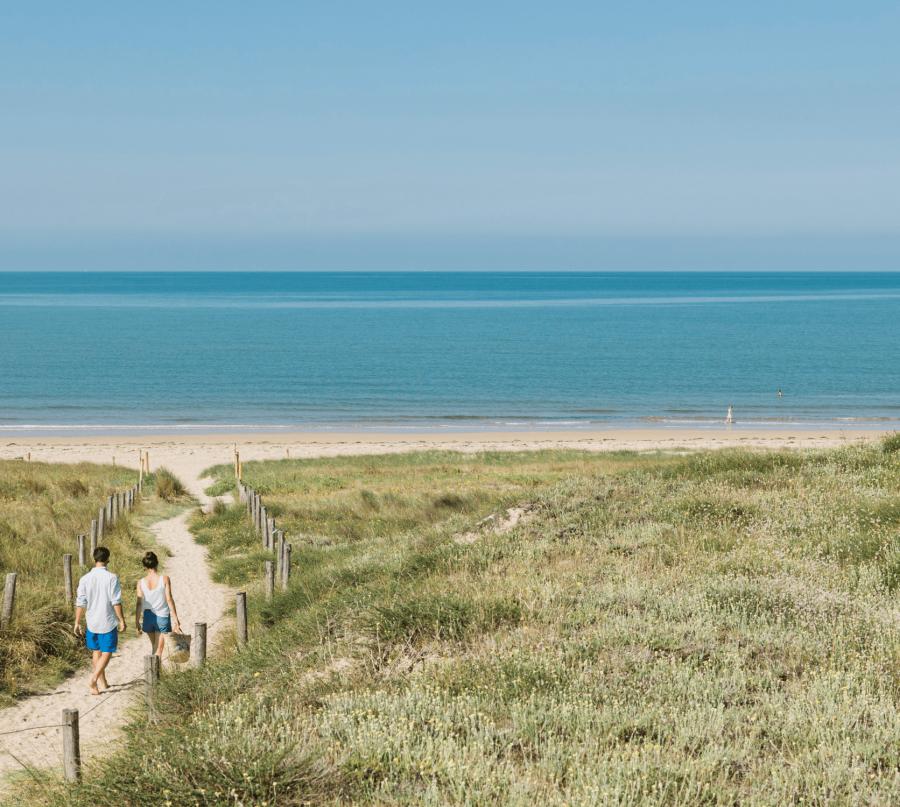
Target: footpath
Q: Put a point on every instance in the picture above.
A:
(101, 718)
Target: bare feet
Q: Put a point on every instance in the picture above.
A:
(93, 687)
(101, 681)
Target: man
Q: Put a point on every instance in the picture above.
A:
(100, 593)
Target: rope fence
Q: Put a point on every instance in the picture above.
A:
(116, 505)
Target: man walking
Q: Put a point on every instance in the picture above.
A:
(100, 594)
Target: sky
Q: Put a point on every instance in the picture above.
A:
(440, 136)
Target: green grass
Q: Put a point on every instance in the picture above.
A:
(43, 507)
(718, 629)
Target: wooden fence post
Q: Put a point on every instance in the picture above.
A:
(270, 531)
(270, 580)
(151, 679)
(101, 528)
(82, 556)
(9, 601)
(71, 746)
(286, 568)
(278, 546)
(241, 622)
(67, 578)
(264, 525)
(198, 646)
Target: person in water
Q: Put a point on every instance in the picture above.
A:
(155, 612)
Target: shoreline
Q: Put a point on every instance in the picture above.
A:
(198, 451)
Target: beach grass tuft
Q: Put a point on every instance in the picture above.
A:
(169, 487)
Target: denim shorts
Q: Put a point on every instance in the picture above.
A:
(104, 642)
(156, 624)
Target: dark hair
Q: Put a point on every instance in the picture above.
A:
(150, 560)
(101, 555)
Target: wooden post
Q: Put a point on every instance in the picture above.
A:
(71, 746)
(264, 525)
(198, 646)
(110, 520)
(270, 531)
(240, 468)
(28, 458)
(151, 679)
(9, 601)
(82, 555)
(286, 568)
(278, 542)
(101, 526)
(67, 579)
(241, 622)
(249, 497)
(270, 580)
(147, 460)
(141, 470)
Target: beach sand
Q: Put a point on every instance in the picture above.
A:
(188, 454)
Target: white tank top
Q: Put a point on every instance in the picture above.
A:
(155, 598)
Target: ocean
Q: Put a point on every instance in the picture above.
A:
(85, 352)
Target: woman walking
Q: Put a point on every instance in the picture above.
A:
(155, 612)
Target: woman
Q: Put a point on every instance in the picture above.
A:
(155, 610)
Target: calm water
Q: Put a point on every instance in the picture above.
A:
(446, 351)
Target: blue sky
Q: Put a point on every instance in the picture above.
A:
(356, 135)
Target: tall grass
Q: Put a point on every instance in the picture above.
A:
(43, 507)
(721, 629)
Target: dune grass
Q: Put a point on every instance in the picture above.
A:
(717, 629)
(43, 507)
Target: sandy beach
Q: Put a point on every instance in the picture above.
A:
(189, 454)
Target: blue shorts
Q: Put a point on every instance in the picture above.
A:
(104, 642)
(156, 624)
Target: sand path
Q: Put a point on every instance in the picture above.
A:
(198, 598)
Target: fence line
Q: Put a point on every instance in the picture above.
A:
(127, 501)
(107, 517)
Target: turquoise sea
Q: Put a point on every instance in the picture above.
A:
(100, 352)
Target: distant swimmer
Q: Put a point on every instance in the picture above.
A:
(780, 394)
(729, 417)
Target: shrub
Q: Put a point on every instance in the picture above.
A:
(891, 443)
(168, 486)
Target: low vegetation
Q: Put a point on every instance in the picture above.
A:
(43, 507)
(169, 487)
(715, 629)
